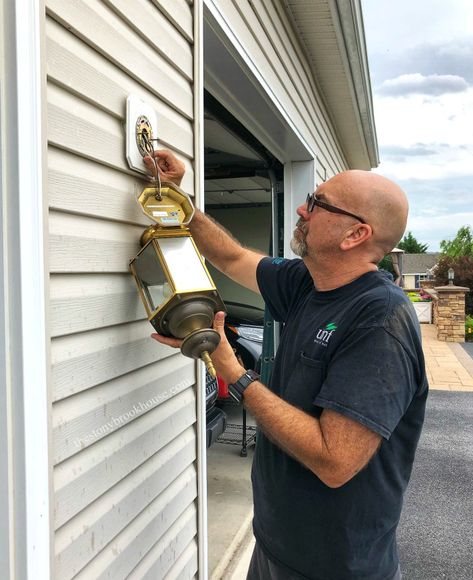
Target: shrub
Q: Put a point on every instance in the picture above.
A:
(469, 328)
(420, 296)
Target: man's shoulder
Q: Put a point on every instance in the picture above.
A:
(292, 271)
(381, 301)
(283, 263)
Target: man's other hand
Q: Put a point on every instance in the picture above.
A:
(223, 357)
(167, 340)
(169, 166)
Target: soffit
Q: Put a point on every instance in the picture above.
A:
(331, 33)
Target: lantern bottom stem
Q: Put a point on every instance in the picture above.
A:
(209, 364)
(201, 344)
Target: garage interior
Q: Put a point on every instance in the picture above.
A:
(243, 192)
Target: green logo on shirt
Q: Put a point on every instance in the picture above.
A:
(324, 334)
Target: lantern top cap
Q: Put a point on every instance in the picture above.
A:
(168, 205)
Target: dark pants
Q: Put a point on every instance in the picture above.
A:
(261, 568)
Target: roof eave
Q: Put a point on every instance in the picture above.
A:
(345, 86)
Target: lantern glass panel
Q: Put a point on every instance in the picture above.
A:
(184, 264)
(153, 280)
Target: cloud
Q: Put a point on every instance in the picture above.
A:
(419, 119)
(400, 153)
(438, 207)
(443, 163)
(443, 58)
(423, 99)
(409, 84)
(433, 230)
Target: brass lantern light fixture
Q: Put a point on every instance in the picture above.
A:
(175, 286)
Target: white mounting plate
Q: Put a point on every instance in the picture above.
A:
(135, 107)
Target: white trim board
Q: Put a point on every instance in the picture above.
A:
(23, 330)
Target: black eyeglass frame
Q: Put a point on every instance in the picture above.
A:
(312, 201)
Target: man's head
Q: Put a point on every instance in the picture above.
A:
(380, 207)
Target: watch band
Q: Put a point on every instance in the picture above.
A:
(236, 389)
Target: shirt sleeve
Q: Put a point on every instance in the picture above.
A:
(371, 379)
(280, 282)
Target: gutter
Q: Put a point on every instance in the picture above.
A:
(348, 17)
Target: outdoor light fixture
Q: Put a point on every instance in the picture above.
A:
(176, 289)
(451, 276)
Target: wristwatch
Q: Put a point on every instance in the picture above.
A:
(236, 390)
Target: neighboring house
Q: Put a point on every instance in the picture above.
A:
(417, 267)
(103, 460)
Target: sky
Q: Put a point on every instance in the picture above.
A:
(420, 56)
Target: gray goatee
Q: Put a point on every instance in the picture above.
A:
(299, 245)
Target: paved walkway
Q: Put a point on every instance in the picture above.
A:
(448, 365)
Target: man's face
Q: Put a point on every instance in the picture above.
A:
(308, 234)
(320, 230)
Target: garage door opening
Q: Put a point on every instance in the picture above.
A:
(243, 192)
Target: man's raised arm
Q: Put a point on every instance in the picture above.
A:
(214, 242)
(224, 251)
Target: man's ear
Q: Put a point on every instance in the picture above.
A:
(355, 236)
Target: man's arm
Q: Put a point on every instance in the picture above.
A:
(224, 251)
(335, 448)
(214, 242)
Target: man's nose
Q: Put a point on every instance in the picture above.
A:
(302, 212)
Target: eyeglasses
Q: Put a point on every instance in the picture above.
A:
(312, 201)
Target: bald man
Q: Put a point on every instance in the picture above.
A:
(342, 416)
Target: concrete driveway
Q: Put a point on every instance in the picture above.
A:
(468, 347)
(435, 533)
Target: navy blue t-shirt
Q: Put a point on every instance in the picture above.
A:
(356, 350)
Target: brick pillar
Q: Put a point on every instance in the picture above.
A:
(451, 313)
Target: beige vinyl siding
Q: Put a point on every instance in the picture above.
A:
(124, 407)
(268, 37)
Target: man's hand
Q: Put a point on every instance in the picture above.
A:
(169, 166)
(167, 340)
(224, 359)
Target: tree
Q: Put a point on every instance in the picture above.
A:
(463, 268)
(411, 246)
(461, 245)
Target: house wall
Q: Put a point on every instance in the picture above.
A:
(264, 38)
(124, 407)
(410, 281)
(257, 68)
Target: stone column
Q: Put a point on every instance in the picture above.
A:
(451, 313)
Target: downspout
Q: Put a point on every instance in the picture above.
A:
(199, 187)
(24, 332)
(274, 244)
